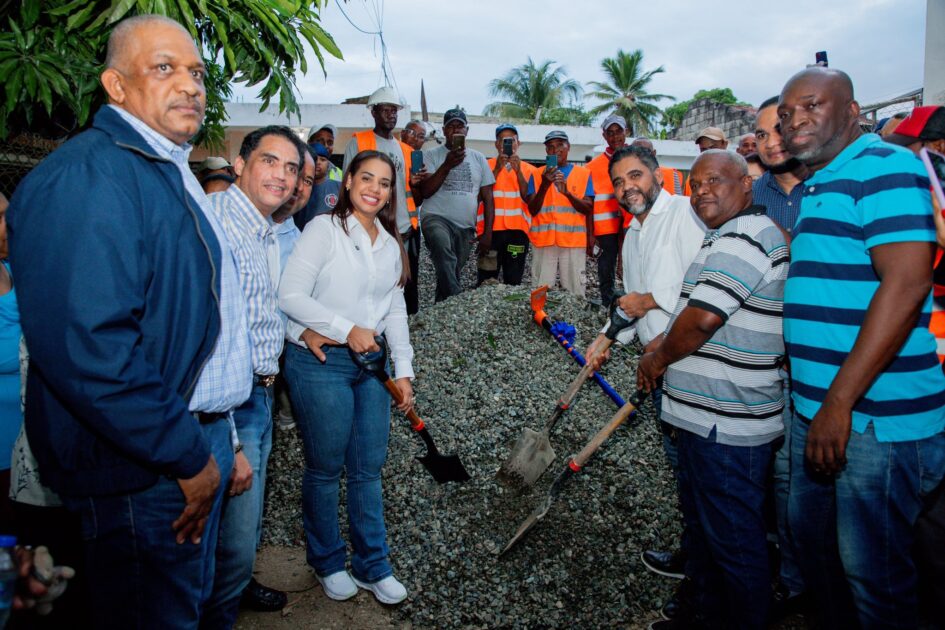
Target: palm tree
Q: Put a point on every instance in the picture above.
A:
(529, 90)
(625, 92)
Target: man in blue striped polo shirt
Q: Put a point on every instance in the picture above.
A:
(723, 393)
(868, 392)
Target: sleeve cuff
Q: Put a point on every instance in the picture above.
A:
(342, 328)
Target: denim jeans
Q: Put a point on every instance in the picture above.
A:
(139, 576)
(854, 533)
(449, 247)
(241, 521)
(722, 491)
(343, 415)
(607, 265)
(790, 573)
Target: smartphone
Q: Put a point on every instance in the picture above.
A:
(551, 161)
(820, 58)
(458, 142)
(935, 165)
(416, 162)
(507, 146)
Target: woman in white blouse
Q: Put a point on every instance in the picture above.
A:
(344, 280)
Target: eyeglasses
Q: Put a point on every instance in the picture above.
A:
(419, 135)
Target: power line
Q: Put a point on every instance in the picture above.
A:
(340, 8)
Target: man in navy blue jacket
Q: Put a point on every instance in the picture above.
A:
(137, 334)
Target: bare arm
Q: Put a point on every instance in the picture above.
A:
(690, 331)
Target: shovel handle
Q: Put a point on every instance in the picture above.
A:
(416, 422)
(586, 371)
(577, 462)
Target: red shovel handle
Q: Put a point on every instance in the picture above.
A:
(415, 421)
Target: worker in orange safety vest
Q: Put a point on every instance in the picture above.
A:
(561, 200)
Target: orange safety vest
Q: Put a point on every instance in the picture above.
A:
(511, 211)
(937, 323)
(368, 142)
(672, 180)
(608, 218)
(558, 223)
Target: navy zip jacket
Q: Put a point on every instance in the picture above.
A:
(115, 269)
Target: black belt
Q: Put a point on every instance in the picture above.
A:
(266, 380)
(208, 418)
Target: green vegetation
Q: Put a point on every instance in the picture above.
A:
(537, 93)
(625, 92)
(673, 115)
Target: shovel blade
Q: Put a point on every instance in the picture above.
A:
(531, 455)
(537, 514)
(445, 468)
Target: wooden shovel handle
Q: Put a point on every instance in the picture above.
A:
(581, 458)
(585, 372)
(415, 421)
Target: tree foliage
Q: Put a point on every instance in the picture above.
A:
(673, 115)
(51, 54)
(533, 92)
(625, 93)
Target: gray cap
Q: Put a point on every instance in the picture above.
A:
(454, 114)
(557, 134)
(614, 119)
(212, 164)
(316, 128)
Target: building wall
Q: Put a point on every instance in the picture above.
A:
(733, 120)
(934, 86)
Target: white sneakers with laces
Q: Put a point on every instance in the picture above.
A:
(338, 586)
(387, 591)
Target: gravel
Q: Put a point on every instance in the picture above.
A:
(485, 371)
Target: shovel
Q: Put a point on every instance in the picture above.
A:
(574, 466)
(444, 468)
(532, 453)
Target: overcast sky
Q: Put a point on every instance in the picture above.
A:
(749, 46)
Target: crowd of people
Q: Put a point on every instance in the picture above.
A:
(783, 298)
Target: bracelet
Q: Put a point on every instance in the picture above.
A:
(237, 448)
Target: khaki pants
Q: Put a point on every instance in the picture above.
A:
(548, 262)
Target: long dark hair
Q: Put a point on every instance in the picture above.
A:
(388, 214)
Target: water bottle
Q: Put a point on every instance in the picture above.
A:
(7, 577)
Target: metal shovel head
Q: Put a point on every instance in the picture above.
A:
(537, 514)
(531, 455)
(444, 468)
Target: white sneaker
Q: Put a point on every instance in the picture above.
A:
(338, 586)
(285, 421)
(387, 591)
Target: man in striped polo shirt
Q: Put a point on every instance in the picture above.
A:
(868, 393)
(723, 393)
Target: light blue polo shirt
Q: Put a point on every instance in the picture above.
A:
(871, 194)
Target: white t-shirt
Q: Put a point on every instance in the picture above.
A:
(458, 198)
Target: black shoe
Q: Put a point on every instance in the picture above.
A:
(785, 603)
(665, 563)
(680, 603)
(262, 598)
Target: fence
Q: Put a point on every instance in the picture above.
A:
(884, 109)
(20, 154)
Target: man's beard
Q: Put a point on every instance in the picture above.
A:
(649, 198)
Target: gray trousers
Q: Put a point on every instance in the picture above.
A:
(449, 246)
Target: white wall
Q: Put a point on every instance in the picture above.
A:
(934, 86)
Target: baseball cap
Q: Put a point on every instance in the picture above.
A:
(614, 119)
(557, 134)
(319, 150)
(213, 163)
(924, 123)
(505, 127)
(316, 128)
(712, 133)
(454, 114)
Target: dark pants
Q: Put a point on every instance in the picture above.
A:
(512, 246)
(449, 246)
(139, 576)
(722, 491)
(411, 239)
(930, 556)
(607, 265)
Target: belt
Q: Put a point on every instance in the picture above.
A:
(266, 380)
(208, 418)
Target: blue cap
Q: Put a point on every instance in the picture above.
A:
(505, 127)
(556, 135)
(7, 541)
(319, 150)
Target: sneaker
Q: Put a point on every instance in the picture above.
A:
(785, 602)
(680, 603)
(669, 564)
(338, 586)
(284, 420)
(387, 591)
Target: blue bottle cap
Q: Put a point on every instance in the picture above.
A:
(7, 541)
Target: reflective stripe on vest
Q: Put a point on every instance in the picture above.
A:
(368, 142)
(511, 211)
(672, 180)
(558, 223)
(607, 214)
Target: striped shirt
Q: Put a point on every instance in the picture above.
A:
(257, 260)
(226, 379)
(782, 208)
(871, 194)
(732, 382)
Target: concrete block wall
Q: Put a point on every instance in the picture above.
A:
(733, 120)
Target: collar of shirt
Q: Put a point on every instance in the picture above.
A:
(609, 153)
(354, 228)
(767, 180)
(660, 206)
(851, 151)
(281, 228)
(239, 202)
(179, 153)
(750, 210)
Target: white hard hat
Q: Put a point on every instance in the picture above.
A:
(384, 95)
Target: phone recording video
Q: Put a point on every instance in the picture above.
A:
(935, 165)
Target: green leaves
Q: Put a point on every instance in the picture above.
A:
(530, 89)
(625, 91)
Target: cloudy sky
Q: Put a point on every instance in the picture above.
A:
(749, 46)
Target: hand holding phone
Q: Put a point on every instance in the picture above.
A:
(935, 165)
(416, 162)
(458, 142)
(507, 146)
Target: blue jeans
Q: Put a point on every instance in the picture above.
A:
(343, 414)
(449, 247)
(790, 572)
(241, 522)
(139, 576)
(722, 491)
(854, 533)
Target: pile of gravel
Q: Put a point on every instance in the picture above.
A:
(485, 371)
